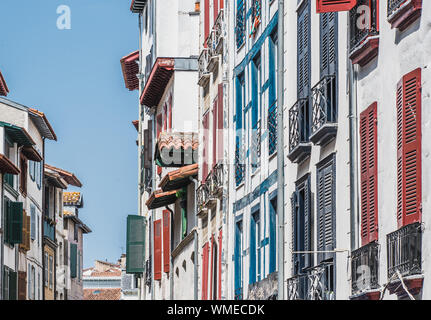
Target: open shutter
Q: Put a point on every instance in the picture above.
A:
(13, 284)
(73, 260)
(16, 222)
(334, 5)
(166, 240)
(368, 151)
(147, 163)
(303, 45)
(135, 247)
(216, 10)
(326, 210)
(159, 130)
(220, 241)
(170, 113)
(205, 271)
(206, 21)
(205, 124)
(22, 285)
(409, 171)
(328, 43)
(158, 250)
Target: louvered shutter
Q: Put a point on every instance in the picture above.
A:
(73, 260)
(295, 256)
(170, 113)
(215, 9)
(205, 271)
(13, 283)
(206, 21)
(328, 43)
(212, 269)
(147, 162)
(368, 151)
(22, 285)
(205, 157)
(307, 223)
(334, 5)
(66, 252)
(220, 241)
(150, 141)
(409, 171)
(33, 222)
(135, 247)
(158, 250)
(215, 140)
(304, 41)
(326, 210)
(220, 123)
(166, 240)
(16, 222)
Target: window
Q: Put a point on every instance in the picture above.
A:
(240, 23)
(9, 153)
(10, 283)
(272, 235)
(33, 222)
(167, 240)
(29, 281)
(214, 267)
(255, 237)
(33, 288)
(239, 120)
(238, 260)
(31, 166)
(256, 85)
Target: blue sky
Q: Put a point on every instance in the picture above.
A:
(74, 76)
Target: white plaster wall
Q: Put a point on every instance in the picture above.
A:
(183, 282)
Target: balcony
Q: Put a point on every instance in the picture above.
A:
(212, 53)
(316, 283)
(239, 163)
(203, 61)
(299, 128)
(238, 294)
(266, 289)
(218, 33)
(402, 13)
(365, 272)
(202, 198)
(272, 128)
(256, 146)
(324, 115)
(215, 181)
(364, 39)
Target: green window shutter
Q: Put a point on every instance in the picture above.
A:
(5, 283)
(12, 285)
(135, 251)
(73, 259)
(16, 210)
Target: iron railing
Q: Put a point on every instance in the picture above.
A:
(272, 128)
(148, 272)
(256, 145)
(394, 5)
(238, 294)
(324, 102)
(405, 251)
(203, 62)
(239, 163)
(215, 180)
(240, 23)
(365, 268)
(361, 29)
(202, 196)
(298, 124)
(218, 32)
(297, 287)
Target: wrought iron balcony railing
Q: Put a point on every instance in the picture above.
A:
(324, 113)
(365, 268)
(203, 67)
(405, 251)
(256, 146)
(240, 24)
(218, 32)
(394, 5)
(215, 180)
(238, 294)
(272, 128)
(362, 29)
(297, 287)
(148, 272)
(202, 196)
(299, 130)
(239, 163)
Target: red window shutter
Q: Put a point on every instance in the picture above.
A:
(409, 145)
(220, 240)
(369, 190)
(221, 4)
(215, 140)
(157, 250)
(334, 5)
(220, 122)
(205, 124)
(159, 130)
(206, 21)
(166, 240)
(205, 271)
(170, 113)
(212, 284)
(215, 8)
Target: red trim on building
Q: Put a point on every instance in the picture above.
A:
(334, 5)
(166, 240)
(130, 68)
(408, 12)
(158, 250)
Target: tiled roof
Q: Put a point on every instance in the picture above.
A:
(32, 154)
(137, 5)
(186, 142)
(102, 294)
(179, 178)
(130, 68)
(4, 90)
(109, 273)
(6, 166)
(68, 213)
(162, 72)
(68, 176)
(42, 124)
(160, 199)
(72, 198)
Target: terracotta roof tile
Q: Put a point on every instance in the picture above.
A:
(160, 199)
(42, 124)
(130, 68)
(6, 166)
(73, 198)
(4, 90)
(178, 178)
(68, 176)
(102, 294)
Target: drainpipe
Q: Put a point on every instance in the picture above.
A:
(280, 149)
(195, 240)
(353, 149)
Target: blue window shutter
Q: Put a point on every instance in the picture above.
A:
(252, 270)
(272, 76)
(238, 254)
(328, 43)
(254, 92)
(303, 47)
(272, 235)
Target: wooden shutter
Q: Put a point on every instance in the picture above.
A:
(206, 21)
(13, 284)
(303, 45)
(165, 117)
(166, 240)
(147, 163)
(326, 209)
(215, 140)
(216, 9)
(27, 238)
(135, 247)
(22, 285)
(409, 156)
(159, 130)
(16, 222)
(308, 258)
(73, 260)
(150, 141)
(212, 269)
(158, 250)
(369, 190)
(220, 241)
(66, 252)
(205, 271)
(220, 123)
(334, 5)
(328, 43)
(205, 125)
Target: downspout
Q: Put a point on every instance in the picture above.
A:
(196, 245)
(353, 148)
(171, 278)
(280, 148)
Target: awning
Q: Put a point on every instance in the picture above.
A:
(6, 166)
(176, 149)
(130, 68)
(138, 5)
(32, 154)
(160, 75)
(68, 176)
(160, 199)
(4, 90)
(18, 134)
(55, 180)
(42, 124)
(179, 178)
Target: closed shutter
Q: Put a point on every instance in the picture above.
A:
(328, 43)
(66, 252)
(303, 45)
(135, 249)
(220, 123)
(220, 241)
(13, 283)
(308, 258)
(206, 21)
(215, 140)
(73, 260)
(215, 8)
(212, 268)
(205, 271)
(157, 250)
(5, 283)
(159, 130)
(369, 190)
(409, 156)
(205, 125)
(170, 113)
(33, 222)
(16, 222)
(22, 285)
(252, 266)
(334, 5)
(166, 240)
(147, 162)
(326, 209)
(150, 142)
